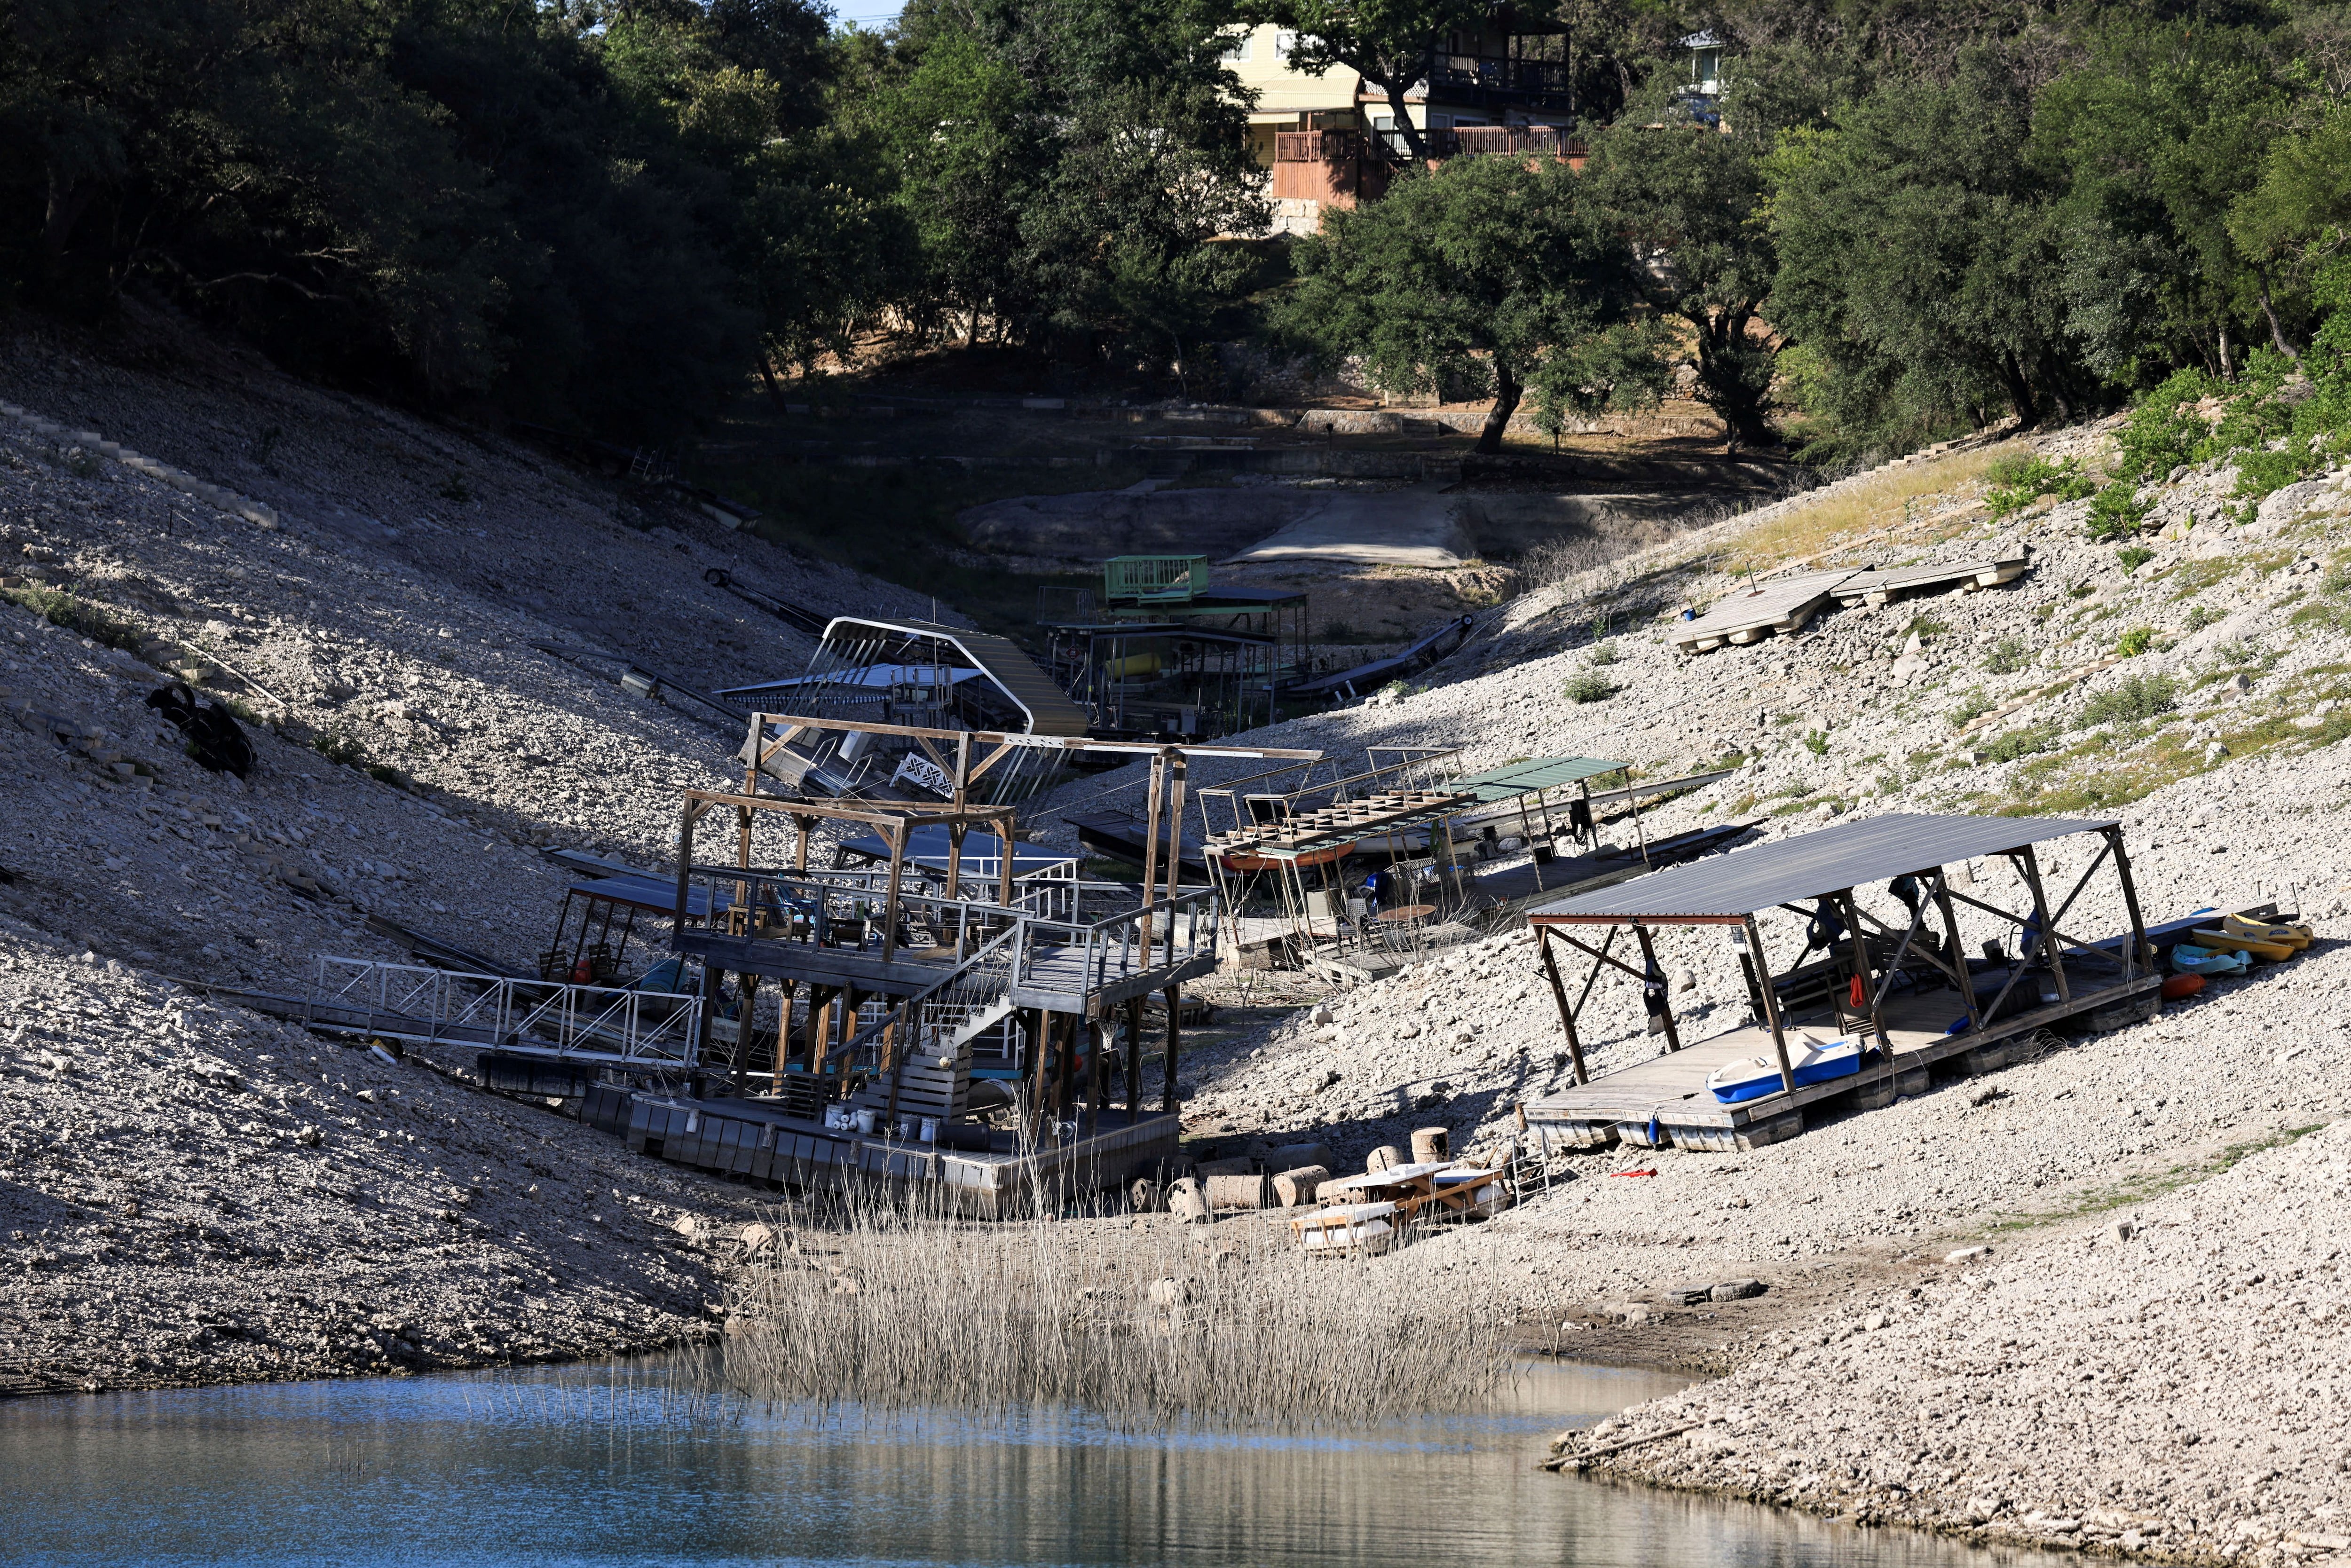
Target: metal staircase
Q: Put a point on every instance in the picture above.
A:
(930, 1073)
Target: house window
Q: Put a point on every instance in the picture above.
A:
(1285, 44)
(1237, 49)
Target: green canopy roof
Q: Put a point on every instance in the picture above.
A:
(1533, 774)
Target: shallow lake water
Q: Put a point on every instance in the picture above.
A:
(607, 1465)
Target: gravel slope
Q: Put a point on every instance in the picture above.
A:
(2174, 1383)
(190, 1193)
(2233, 787)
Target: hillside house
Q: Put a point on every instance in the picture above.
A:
(1333, 138)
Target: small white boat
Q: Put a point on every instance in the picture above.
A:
(1812, 1061)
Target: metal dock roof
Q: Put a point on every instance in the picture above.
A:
(1535, 773)
(1850, 855)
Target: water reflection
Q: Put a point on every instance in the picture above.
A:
(606, 1464)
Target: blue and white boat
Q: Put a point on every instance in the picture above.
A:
(1812, 1061)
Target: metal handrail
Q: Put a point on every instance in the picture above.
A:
(905, 1011)
(503, 1010)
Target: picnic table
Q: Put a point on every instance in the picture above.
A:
(1445, 1189)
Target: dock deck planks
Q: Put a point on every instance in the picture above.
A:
(1784, 604)
(1670, 1089)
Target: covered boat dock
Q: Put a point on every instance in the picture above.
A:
(1896, 991)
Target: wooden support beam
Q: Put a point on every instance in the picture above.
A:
(711, 975)
(2030, 863)
(2140, 951)
(747, 996)
(1133, 1057)
(1173, 996)
(1771, 1006)
(1665, 985)
(1154, 801)
(1098, 1038)
(1958, 948)
(890, 899)
(1175, 844)
(1566, 1013)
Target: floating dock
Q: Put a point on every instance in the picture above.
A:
(1900, 984)
(992, 1174)
(1784, 605)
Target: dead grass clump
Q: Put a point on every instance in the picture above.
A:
(1222, 1326)
(1843, 513)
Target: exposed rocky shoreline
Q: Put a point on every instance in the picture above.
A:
(190, 1192)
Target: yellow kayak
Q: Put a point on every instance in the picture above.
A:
(2231, 940)
(2295, 936)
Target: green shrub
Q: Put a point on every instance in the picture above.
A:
(2133, 557)
(2139, 697)
(2134, 641)
(1602, 654)
(2117, 513)
(1816, 742)
(1971, 708)
(2018, 481)
(58, 608)
(1588, 686)
(2009, 654)
(2164, 430)
(2202, 616)
(340, 748)
(2029, 741)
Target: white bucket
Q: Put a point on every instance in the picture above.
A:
(930, 1129)
(865, 1120)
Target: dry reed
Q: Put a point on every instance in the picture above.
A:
(1164, 1324)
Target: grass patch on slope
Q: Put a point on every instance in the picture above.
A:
(2143, 1188)
(1812, 525)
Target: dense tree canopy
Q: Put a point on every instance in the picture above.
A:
(1490, 277)
(1899, 217)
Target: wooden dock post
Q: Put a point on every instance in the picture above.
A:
(1649, 966)
(1566, 1013)
(1134, 1056)
(2029, 864)
(1173, 995)
(1959, 951)
(1770, 1005)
